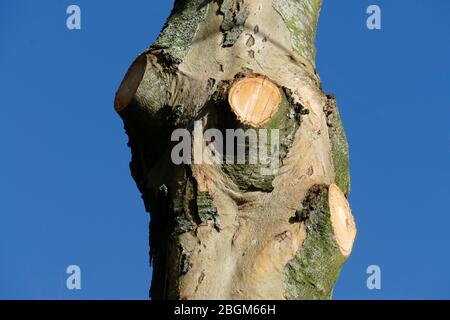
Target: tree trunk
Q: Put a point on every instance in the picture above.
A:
(220, 228)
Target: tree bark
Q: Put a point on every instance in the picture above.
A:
(228, 230)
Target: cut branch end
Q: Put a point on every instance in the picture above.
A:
(254, 100)
(342, 220)
(130, 83)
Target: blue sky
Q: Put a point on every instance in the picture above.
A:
(66, 195)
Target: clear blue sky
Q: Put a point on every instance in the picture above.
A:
(66, 195)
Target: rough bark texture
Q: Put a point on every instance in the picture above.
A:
(227, 231)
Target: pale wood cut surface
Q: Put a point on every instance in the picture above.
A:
(254, 100)
(342, 220)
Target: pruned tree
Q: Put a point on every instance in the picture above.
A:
(222, 228)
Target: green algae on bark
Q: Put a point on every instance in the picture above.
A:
(312, 273)
(181, 27)
(339, 145)
(303, 30)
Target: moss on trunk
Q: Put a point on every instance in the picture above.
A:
(314, 270)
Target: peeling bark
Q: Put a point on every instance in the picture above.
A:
(227, 231)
